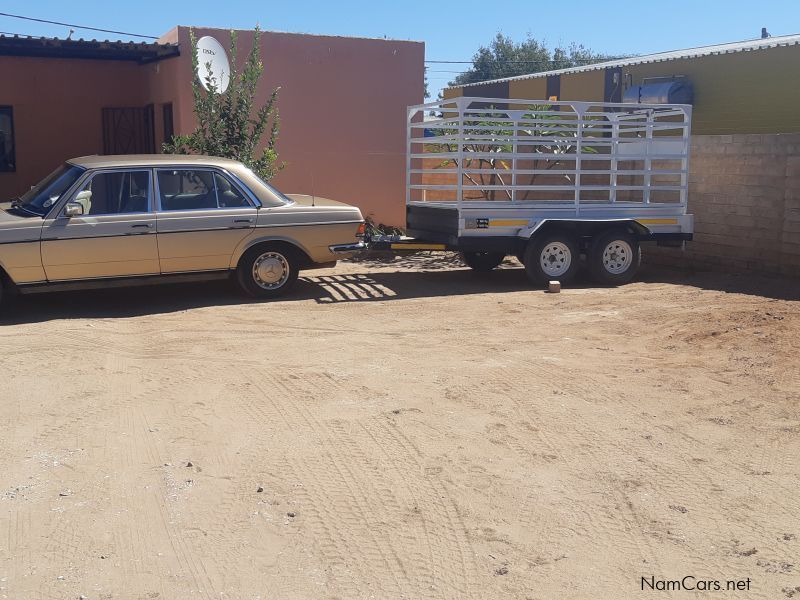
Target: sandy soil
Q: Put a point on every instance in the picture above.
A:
(402, 430)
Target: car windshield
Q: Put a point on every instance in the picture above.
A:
(49, 190)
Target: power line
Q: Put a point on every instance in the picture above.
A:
(152, 37)
(588, 61)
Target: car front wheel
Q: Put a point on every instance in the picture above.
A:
(267, 272)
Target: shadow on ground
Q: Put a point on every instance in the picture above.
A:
(434, 275)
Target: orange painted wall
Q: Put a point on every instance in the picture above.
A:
(342, 107)
(57, 107)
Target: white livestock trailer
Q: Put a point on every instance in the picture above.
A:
(549, 182)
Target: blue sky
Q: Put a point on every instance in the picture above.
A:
(450, 30)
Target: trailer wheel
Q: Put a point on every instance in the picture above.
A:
(552, 256)
(482, 261)
(614, 257)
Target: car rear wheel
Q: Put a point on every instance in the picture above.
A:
(552, 256)
(482, 261)
(267, 271)
(614, 257)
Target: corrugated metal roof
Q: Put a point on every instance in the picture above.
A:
(729, 48)
(142, 52)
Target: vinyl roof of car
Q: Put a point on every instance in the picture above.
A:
(143, 160)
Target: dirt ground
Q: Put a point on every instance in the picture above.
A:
(402, 430)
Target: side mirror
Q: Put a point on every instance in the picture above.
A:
(73, 209)
(82, 202)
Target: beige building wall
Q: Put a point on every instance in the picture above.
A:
(744, 191)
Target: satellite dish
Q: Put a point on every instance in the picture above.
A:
(212, 61)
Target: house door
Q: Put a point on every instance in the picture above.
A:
(128, 130)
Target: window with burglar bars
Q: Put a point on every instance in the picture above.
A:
(8, 161)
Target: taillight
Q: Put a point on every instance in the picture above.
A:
(362, 229)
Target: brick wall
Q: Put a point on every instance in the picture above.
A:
(744, 191)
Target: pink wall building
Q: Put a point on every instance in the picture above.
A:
(342, 107)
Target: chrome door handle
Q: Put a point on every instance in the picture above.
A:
(148, 225)
(243, 220)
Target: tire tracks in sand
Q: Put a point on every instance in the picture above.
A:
(380, 523)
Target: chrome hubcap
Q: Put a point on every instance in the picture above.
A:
(617, 257)
(555, 259)
(270, 270)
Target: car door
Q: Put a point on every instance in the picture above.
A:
(115, 235)
(202, 217)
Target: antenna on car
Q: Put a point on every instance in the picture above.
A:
(313, 199)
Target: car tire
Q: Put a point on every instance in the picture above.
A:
(482, 262)
(614, 257)
(268, 271)
(552, 256)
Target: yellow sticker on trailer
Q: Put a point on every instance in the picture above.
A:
(658, 221)
(508, 222)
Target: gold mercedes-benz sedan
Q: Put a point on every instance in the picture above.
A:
(99, 221)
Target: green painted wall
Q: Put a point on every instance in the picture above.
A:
(588, 85)
(530, 89)
(741, 92)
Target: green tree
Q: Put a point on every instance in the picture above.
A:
(504, 57)
(228, 125)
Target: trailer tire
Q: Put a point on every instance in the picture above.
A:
(552, 256)
(614, 257)
(482, 262)
(268, 270)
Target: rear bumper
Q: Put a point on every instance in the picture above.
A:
(347, 248)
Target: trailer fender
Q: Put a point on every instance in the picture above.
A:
(583, 226)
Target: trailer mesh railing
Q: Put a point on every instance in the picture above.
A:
(532, 152)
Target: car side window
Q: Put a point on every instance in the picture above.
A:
(228, 195)
(115, 192)
(197, 189)
(186, 189)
